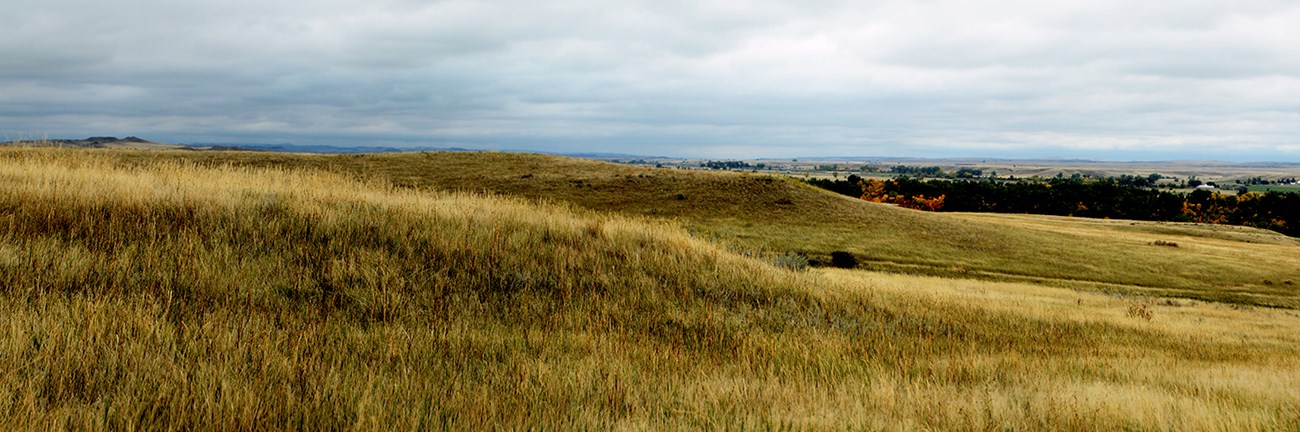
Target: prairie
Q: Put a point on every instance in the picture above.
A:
(764, 215)
(175, 290)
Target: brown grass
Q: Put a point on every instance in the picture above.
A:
(165, 294)
(774, 216)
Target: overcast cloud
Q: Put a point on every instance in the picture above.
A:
(1160, 79)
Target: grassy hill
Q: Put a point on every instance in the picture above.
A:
(766, 215)
(154, 291)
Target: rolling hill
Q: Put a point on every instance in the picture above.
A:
(767, 215)
(146, 290)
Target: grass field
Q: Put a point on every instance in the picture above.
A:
(1274, 188)
(180, 290)
(766, 216)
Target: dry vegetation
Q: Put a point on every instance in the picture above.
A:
(772, 216)
(233, 291)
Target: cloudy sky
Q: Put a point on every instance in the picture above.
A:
(1102, 79)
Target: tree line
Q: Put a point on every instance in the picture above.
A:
(1096, 198)
(729, 165)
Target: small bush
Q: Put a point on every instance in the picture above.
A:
(791, 261)
(1140, 310)
(845, 260)
(1164, 243)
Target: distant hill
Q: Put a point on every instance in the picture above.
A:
(325, 149)
(111, 142)
(332, 149)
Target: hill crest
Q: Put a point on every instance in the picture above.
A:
(766, 215)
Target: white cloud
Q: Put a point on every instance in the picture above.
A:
(758, 78)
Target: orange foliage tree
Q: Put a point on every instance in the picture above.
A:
(876, 191)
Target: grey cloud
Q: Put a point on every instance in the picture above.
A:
(761, 78)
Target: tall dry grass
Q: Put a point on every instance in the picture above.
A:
(173, 295)
(773, 216)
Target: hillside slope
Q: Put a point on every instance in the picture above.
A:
(768, 215)
(175, 296)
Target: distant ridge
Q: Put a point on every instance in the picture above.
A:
(325, 149)
(330, 149)
(129, 142)
(133, 142)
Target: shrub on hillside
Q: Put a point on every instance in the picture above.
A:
(845, 260)
(791, 261)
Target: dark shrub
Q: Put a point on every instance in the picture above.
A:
(841, 259)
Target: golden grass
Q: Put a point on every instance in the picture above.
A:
(165, 294)
(769, 216)
(1165, 386)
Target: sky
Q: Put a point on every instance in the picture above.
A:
(1096, 79)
